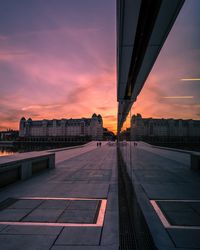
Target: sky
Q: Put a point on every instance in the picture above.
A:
(165, 94)
(58, 60)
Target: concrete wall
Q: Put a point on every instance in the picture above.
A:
(22, 169)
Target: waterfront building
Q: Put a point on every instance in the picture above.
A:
(152, 129)
(88, 128)
(9, 135)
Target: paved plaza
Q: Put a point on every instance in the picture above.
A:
(75, 205)
(64, 208)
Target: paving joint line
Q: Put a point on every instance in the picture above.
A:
(53, 244)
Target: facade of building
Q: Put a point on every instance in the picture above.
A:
(9, 135)
(90, 128)
(168, 129)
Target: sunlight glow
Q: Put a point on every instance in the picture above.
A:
(178, 97)
(190, 79)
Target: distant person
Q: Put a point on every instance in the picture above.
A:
(97, 144)
(100, 144)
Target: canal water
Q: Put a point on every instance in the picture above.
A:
(9, 150)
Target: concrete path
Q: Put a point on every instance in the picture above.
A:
(67, 154)
(63, 208)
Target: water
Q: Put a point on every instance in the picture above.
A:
(5, 153)
(7, 150)
(10, 150)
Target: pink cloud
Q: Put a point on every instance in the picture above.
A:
(54, 87)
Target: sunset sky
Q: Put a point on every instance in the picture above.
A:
(165, 94)
(58, 60)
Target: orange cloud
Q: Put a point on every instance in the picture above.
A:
(61, 73)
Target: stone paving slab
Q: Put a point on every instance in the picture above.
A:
(88, 174)
(155, 175)
(26, 204)
(114, 186)
(80, 190)
(43, 215)
(34, 187)
(2, 227)
(167, 206)
(114, 247)
(181, 213)
(79, 211)
(28, 242)
(183, 218)
(112, 204)
(68, 154)
(196, 207)
(13, 214)
(54, 204)
(31, 230)
(174, 248)
(84, 204)
(81, 236)
(167, 191)
(78, 216)
(53, 184)
(110, 233)
(185, 238)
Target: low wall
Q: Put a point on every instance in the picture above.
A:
(23, 166)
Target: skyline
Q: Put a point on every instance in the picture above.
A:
(59, 61)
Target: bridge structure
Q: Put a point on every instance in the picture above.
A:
(117, 196)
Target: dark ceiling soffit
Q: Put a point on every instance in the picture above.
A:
(133, 79)
(119, 31)
(148, 13)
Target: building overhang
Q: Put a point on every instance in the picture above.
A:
(142, 28)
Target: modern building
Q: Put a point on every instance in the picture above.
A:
(165, 129)
(90, 128)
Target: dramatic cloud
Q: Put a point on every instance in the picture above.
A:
(58, 60)
(164, 93)
(57, 65)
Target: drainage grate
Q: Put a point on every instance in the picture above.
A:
(52, 211)
(178, 213)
